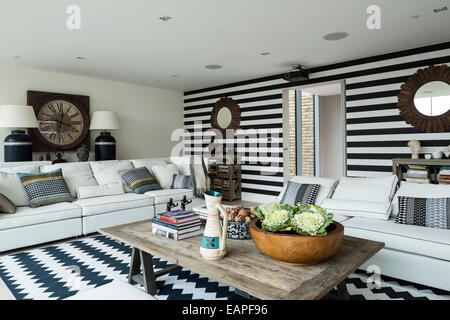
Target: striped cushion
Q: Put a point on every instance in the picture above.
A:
(45, 188)
(140, 180)
(425, 212)
(300, 193)
(182, 182)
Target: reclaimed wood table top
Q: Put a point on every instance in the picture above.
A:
(246, 268)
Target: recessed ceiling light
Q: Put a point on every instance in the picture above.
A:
(265, 53)
(80, 58)
(165, 18)
(213, 66)
(336, 36)
(414, 17)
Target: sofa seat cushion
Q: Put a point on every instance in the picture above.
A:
(425, 241)
(340, 218)
(99, 205)
(163, 196)
(357, 208)
(27, 216)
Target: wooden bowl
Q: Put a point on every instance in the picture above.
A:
(295, 249)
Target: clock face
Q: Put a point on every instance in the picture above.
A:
(61, 123)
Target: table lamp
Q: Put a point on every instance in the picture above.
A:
(18, 145)
(105, 144)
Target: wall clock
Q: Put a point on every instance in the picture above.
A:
(63, 120)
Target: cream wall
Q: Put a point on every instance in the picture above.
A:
(331, 145)
(147, 115)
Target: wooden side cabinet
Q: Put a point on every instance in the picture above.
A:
(226, 179)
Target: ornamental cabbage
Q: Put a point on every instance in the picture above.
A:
(276, 220)
(305, 220)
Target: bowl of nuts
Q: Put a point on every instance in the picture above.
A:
(239, 219)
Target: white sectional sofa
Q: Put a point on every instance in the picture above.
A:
(31, 226)
(413, 253)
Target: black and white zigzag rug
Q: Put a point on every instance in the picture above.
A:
(62, 270)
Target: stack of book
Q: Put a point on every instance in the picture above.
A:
(216, 184)
(222, 170)
(418, 174)
(212, 169)
(177, 225)
(444, 175)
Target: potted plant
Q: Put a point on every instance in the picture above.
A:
(295, 235)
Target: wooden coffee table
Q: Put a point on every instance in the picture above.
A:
(245, 268)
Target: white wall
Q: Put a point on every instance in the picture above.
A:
(331, 144)
(147, 115)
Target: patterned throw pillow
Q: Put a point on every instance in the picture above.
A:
(140, 180)
(425, 212)
(45, 188)
(6, 206)
(300, 193)
(182, 182)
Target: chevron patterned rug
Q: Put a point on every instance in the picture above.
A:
(62, 270)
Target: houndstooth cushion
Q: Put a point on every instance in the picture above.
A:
(45, 188)
(300, 193)
(426, 212)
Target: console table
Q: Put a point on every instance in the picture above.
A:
(398, 164)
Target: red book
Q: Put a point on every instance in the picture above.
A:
(177, 221)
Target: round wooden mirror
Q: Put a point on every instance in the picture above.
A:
(424, 99)
(225, 115)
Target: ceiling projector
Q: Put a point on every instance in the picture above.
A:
(299, 72)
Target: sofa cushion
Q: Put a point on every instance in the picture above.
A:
(183, 164)
(380, 189)
(6, 205)
(98, 205)
(140, 180)
(12, 187)
(340, 218)
(163, 196)
(326, 189)
(408, 238)
(26, 216)
(149, 163)
(357, 208)
(108, 171)
(182, 182)
(100, 190)
(418, 190)
(300, 193)
(75, 174)
(426, 212)
(45, 188)
(164, 174)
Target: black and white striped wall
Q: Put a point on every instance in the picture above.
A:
(375, 131)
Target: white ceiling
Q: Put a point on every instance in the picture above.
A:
(125, 40)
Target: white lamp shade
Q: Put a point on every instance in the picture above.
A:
(12, 116)
(104, 120)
